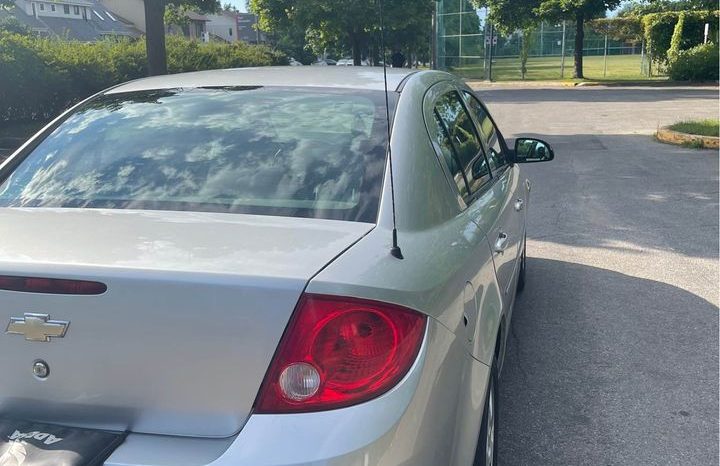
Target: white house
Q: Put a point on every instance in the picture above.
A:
(83, 20)
(74, 9)
(223, 26)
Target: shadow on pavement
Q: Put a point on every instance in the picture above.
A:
(631, 380)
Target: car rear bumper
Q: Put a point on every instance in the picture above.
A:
(414, 423)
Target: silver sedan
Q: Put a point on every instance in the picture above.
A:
(228, 267)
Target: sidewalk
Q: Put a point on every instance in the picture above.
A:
(481, 84)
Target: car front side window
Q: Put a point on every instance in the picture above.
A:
(452, 116)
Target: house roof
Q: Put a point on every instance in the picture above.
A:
(75, 29)
(196, 16)
(27, 20)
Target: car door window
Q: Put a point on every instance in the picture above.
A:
(451, 116)
(488, 133)
(452, 163)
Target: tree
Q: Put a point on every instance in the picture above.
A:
(155, 28)
(408, 26)
(6, 4)
(620, 28)
(510, 15)
(579, 11)
(644, 7)
(527, 42)
(347, 24)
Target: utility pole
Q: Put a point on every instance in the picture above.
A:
(605, 53)
(642, 56)
(562, 54)
(434, 38)
(490, 55)
(460, 41)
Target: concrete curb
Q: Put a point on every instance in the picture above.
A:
(669, 136)
(657, 84)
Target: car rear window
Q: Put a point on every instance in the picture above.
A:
(268, 151)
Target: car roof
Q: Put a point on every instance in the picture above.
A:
(357, 77)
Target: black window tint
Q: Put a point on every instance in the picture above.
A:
(269, 151)
(441, 137)
(463, 138)
(488, 133)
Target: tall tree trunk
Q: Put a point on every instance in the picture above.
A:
(355, 39)
(155, 36)
(579, 39)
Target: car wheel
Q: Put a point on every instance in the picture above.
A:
(523, 267)
(486, 451)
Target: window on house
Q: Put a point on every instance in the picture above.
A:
(230, 32)
(66, 9)
(52, 7)
(42, 7)
(76, 10)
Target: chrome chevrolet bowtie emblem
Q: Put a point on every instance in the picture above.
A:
(37, 327)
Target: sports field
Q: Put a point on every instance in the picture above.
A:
(619, 67)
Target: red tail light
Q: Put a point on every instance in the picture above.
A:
(338, 352)
(51, 285)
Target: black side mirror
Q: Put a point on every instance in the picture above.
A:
(529, 150)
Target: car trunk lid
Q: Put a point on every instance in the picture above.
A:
(179, 343)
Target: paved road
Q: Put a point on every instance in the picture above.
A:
(613, 357)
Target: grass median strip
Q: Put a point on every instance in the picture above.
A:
(709, 127)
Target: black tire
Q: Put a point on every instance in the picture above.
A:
(523, 267)
(485, 456)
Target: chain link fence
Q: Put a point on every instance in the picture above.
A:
(470, 47)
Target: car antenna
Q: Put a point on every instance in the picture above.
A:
(395, 249)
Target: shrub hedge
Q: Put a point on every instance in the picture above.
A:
(659, 27)
(41, 77)
(699, 63)
(677, 38)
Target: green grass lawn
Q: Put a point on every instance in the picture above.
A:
(707, 127)
(619, 68)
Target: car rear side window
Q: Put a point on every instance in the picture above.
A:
(449, 156)
(269, 151)
(457, 126)
(488, 133)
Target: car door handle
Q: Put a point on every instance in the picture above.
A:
(501, 243)
(519, 205)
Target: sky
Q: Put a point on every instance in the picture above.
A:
(240, 4)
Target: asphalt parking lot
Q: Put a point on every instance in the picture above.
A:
(613, 356)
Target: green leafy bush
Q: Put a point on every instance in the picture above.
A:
(699, 63)
(659, 28)
(676, 39)
(41, 77)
